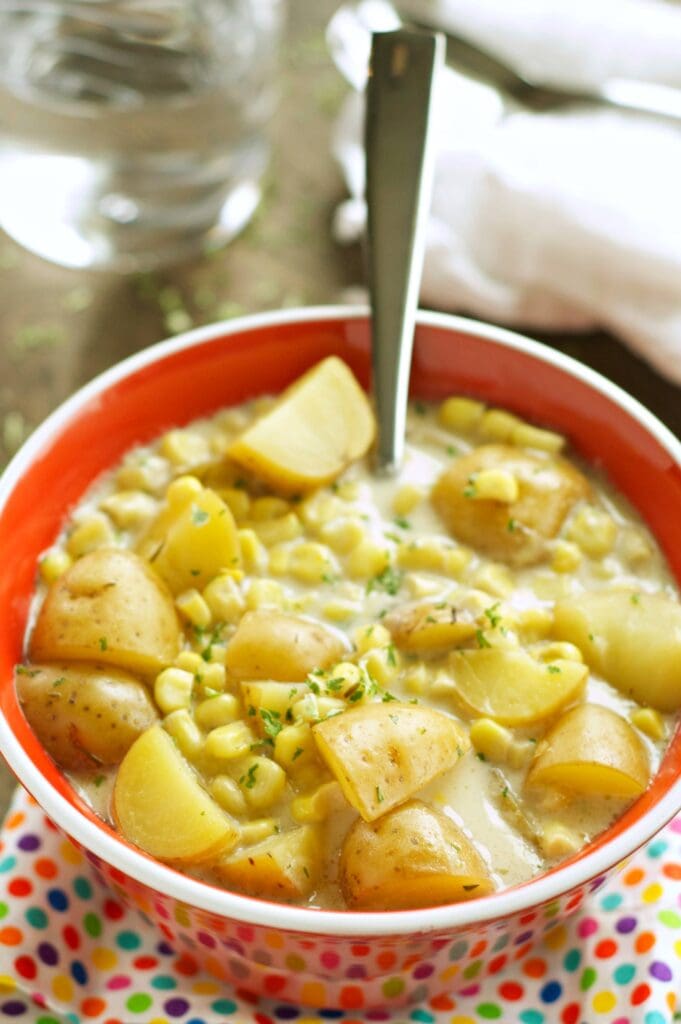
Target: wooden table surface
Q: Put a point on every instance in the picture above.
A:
(61, 327)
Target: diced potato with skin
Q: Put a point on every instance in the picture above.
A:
(84, 715)
(284, 866)
(514, 532)
(382, 754)
(108, 607)
(411, 857)
(512, 687)
(194, 543)
(321, 424)
(160, 805)
(591, 751)
(276, 645)
(631, 639)
(426, 626)
(269, 704)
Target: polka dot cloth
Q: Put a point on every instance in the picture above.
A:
(72, 954)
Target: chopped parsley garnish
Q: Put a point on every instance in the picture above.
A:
(553, 669)
(492, 615)
(469, 490)
(297, 752)
(328, 577)
(452, 449)
(635, 598)
(58, 682)
(334, 685)
(21, 670)
(480, 756)
(271, 722)
(379, 795)
(402, 522)
(390, 581)
(98, 780)
(482, 639)
(511, 525)
(390, 654)
(248, 780)
(420, 408)
(199, 517)
(103, 643)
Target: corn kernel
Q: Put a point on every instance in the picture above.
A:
(95, 532)
(491, 739)
(255, 831)
(349, 490)
(462, 414)
(263, 782)
(265, 594)
(190, 661)
(382, 664)
(319, 805)
(342, 535)
(526, 436)
(415, 680)
(649, 722)
(129, 508)
(566, 556)
(237, 500)
(534, 623)
(227, 793)
(253, 552)
(311, 562)
(498, 425)
(521, 753)
(340, 611)
(494, 485)
(212, 676)
(407, 498)
(184, 731)
(173, 689)
(194, 608)
(312, 708)
(346, 675)
(368, 637)
(455, 560)
(224, 598)
(294, 747)
(560, 649)
(233, 421)
(280, 557)
(269, 507)
(635, 547)
(367, 560)
(215, 712)
(495, 579)
(183, 491)
(557, 841)
(151, 475)
(54, 564)
(320, 508)
(184, 447)
(277, 531)
(422, 586)
(215, 653)
(593, 530)
(426, 555)
(228, 742)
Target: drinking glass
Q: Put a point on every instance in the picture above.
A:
(133, 132)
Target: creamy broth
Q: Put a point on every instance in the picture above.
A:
(347, 555)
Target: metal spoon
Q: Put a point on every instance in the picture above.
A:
(399, 185)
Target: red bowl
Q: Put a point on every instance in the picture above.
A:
(323, 958)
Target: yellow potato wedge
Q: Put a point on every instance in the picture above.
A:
(283, 867)
(427, 627)
(191, 542)
(382, 754)
(108, 607)
(591, 751)
(631, 639)
(517, 531)
(319, 426)
(512, 687)
(269, 644)
(160, 805)
(84, 715)
(411, 857)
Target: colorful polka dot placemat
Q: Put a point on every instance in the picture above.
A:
(71, 953)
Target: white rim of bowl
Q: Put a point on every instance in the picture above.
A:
(350, 924)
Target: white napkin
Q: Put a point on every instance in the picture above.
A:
(552, 221)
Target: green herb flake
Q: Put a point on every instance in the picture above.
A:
(379, 795)
(334, 685)
(402, 522)
(635, 598)
(452, 449)
(480, 756)
(470, 489)
(420, 408)
(391, 656)
(199, 517)
(481, 639)
(271, 722)
(390, 581)
(387, 697)
(492, 615)
(98, 780)
(103, 643)
(21, 670)
(296, 753)
(58, 682)
(553, 669)
(512, 525)
(248, 780)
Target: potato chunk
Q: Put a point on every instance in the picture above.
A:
(382, 754)
(84, 715)
(283, 867)
(631, 639)
(591, 750)
(319, 425)
(192, 541)
(160, 805)
(427, 627)
(515, 532)
(411, 857)
(108, 607)
(275, 645)
(512, 687)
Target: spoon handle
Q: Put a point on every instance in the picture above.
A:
(399, 185)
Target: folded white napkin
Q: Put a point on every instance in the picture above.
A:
(552, 221)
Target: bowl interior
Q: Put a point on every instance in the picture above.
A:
(173, 384)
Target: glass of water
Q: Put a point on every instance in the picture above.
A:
(133, 132)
